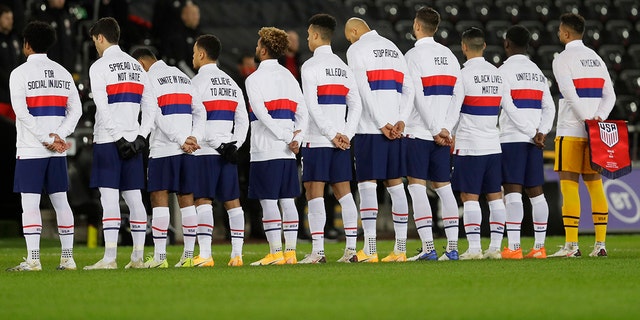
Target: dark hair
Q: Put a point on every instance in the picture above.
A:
(473, 38)
(143, 52)
(324, 24)
(573, 21)
(4, 9)
(39, 35)
(428, 18)
(107, 27)
(210, 44)
(519, 36)
(274, 40)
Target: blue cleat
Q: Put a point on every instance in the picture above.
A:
(449, 255)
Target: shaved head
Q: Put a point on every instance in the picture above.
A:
(355, 28)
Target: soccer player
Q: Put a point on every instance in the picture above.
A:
(278, 118)
(331, 94)
(227, 123)
(477, 162)
(522, 162)
(380, 70)
(47, 107)
(435, 69)
(178, 127)
(120, 89)
(587, 93)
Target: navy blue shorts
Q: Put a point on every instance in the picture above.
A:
(477, 174)
(174, 174)
(522, 164)
(378, 157)
(108, 170)
(274, 179)
(216, 179)
(330, 165)
(48, 175)
(428, 161)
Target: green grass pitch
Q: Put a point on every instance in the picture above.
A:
(583, 288)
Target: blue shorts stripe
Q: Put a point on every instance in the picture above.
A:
(332, 99)
(480, 110)
(59, 111)
(437, 91)
(589, 92)
(176, 109)
(385, 85)
(124, 97)
(222, 115)
(528, 103)
(282, 114)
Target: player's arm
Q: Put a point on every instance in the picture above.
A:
(73, 113)
(198, 115)
(548, 112)
(256, 100)
(354, 105)
(422, 102)
(148, 105)
(19, 104)
(562, 73)
(241, 121)
(301, 117)
(310, 91)
(455, 105)
(101, 100)
(408, 95)
(608, 98)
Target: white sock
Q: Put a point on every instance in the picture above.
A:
(472, 221)
(317, 220)
(31, 224)
(159, 226)
(515, 213)
(450, 216)
(400, 214)
(497, 217)
(64, 217)
(110, 200)
(189, 227)
(205, 229)
(272, 224)
(236, 226)
(137, 222)
(349, 220)
(368, 214)
(540, 211)
(289, 223)
(422, 215)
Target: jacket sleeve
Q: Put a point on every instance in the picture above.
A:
(99, 92)
(19, 104)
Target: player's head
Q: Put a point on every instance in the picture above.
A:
(571, 27)
(105, 33)
(272, 43)
(320, 29)
(354, 29)
(145, 56)
(38, 37)
(516, 40)
(426, 22)
(206, 49)
(473, 43)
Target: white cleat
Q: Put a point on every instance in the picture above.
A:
(349, 256)
(598, 251)
(27, 265)
(102, 265)
(567, 252)
(471, 255)
(313, 258)
(493, 254)
(135, 264)
(67, 264)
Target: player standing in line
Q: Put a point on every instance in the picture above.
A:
(477, 163)
(435, 69)
(380, 70)
(522, 162)
(178, 127)
(120, 89)
(47, 107)
(227, 123)
(587, 93)
(334, 104)
(278, 118)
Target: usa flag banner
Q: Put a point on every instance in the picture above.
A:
(609, 147)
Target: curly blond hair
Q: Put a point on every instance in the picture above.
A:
(274, 40)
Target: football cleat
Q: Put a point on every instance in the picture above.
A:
(135, 264)
(66, 264)
(313, 258)
(184, 263)
(567, 252)
(395, 257)
(152, 263)
(203, 262)
(363, 257)
(235, 261)
(27, 265)
(471, 255)
(270, 259)
(290, 257)
(424, 256)
(512, 254)
(349, 256)
(598, 251)
(492, 254)
(537, 254)
(449, 255)
(102, 265)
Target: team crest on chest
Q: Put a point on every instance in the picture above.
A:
(608, 133)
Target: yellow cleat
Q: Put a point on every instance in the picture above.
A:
(537, 254)
(395, 257)
(203, 262)
(290, 257)
(235, 261)
(184, 263)
(511, 254)
(363, 257)
(270, 259)
(152, 263)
